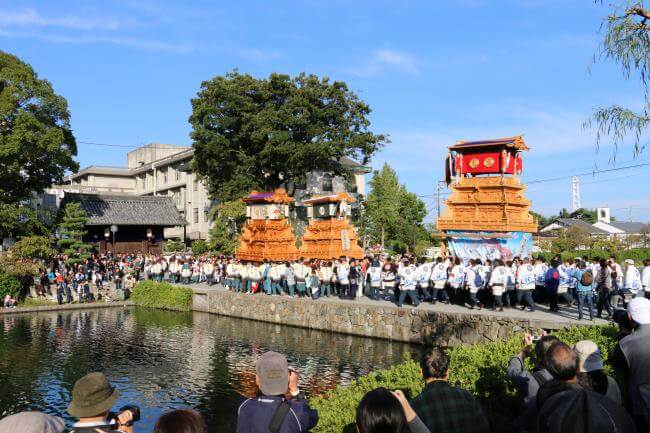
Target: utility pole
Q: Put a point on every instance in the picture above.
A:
(575, 194)
(438, 196)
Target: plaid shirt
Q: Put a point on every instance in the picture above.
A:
(447, 409)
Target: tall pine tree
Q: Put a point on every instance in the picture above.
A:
(71, 233)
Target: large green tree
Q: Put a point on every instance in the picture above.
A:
(71, 233)
(393, 215)
(36, 142)
(251, 133)
(227, 218)
(626, 41)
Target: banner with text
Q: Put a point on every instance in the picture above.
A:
(489, 245)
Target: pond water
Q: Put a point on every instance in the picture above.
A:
(163, 360)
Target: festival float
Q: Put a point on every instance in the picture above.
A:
(330, 233)
(267, 233)
(487, 215)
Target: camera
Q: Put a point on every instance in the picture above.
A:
(536, 338)
(135, 410)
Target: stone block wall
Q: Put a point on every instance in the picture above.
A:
(365, 319)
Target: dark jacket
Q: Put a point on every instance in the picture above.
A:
(633, 355)
(565, 407)
(255, 414)
(447, 409)
(526, 383)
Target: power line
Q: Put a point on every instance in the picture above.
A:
(588, 173)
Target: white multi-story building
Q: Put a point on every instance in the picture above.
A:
(164, 169)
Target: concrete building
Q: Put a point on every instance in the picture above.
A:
(164, 170)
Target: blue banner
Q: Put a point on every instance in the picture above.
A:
(489, 245)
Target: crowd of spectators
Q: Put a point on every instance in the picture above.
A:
(596, 286)
(567, 391)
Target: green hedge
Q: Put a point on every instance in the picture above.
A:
(480, 369)
(152, 294)
(636, 254)
(9, 284)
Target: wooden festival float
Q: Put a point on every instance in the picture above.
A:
(487, 215)
(267, 233)
(330, 233)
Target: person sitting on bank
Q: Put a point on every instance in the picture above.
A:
(444, 408)
(92, 398)
(280, 407)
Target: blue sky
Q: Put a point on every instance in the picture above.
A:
(433, 72)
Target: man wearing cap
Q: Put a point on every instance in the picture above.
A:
(632, 354)
(92, 399)
(279, 406)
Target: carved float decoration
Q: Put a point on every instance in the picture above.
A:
(330, 233)
(487, 215)
(267, 233)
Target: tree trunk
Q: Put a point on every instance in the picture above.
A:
(382, 237)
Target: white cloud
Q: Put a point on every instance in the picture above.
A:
(126, 41)
(400, 60)
(31, 18)
(386, 59)
(258, 54)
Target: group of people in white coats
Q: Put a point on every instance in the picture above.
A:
(473, 283)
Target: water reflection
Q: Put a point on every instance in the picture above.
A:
(161, 360)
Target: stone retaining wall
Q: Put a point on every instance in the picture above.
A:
(387, 322)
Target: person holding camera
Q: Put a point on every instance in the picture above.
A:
(92, 398)
(279, 407)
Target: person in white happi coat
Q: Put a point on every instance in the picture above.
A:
(473, 283)
(208, 271)
(408, 284)
(325, 273)
(373, 277)
(498, 283)
(631, 281)
(456, 280)
(423, 276)
(275, 273)
(526, 285)
(439, 281)
(645, 278)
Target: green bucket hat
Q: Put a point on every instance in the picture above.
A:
(92, 395)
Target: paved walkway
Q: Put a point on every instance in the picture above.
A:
(566, 316)
(62, 307)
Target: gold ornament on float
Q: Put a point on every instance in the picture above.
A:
(489, 162)
(474, 163)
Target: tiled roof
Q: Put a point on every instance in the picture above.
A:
(516, 142)
(584, 225)
(628, 226)
(107, 209)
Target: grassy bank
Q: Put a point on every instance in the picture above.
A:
(480, 369)
(166, 296)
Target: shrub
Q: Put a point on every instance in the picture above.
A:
(174, 245)
(162, 295)
(199, 247)
(33, 247)
(9, 285)
(480, 369)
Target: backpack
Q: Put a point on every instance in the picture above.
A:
(587, 278)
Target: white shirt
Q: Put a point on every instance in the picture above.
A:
(526, 277)
(408, 277)
(424, 274)
(632, 278)
(645, 277)
(375, 275)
